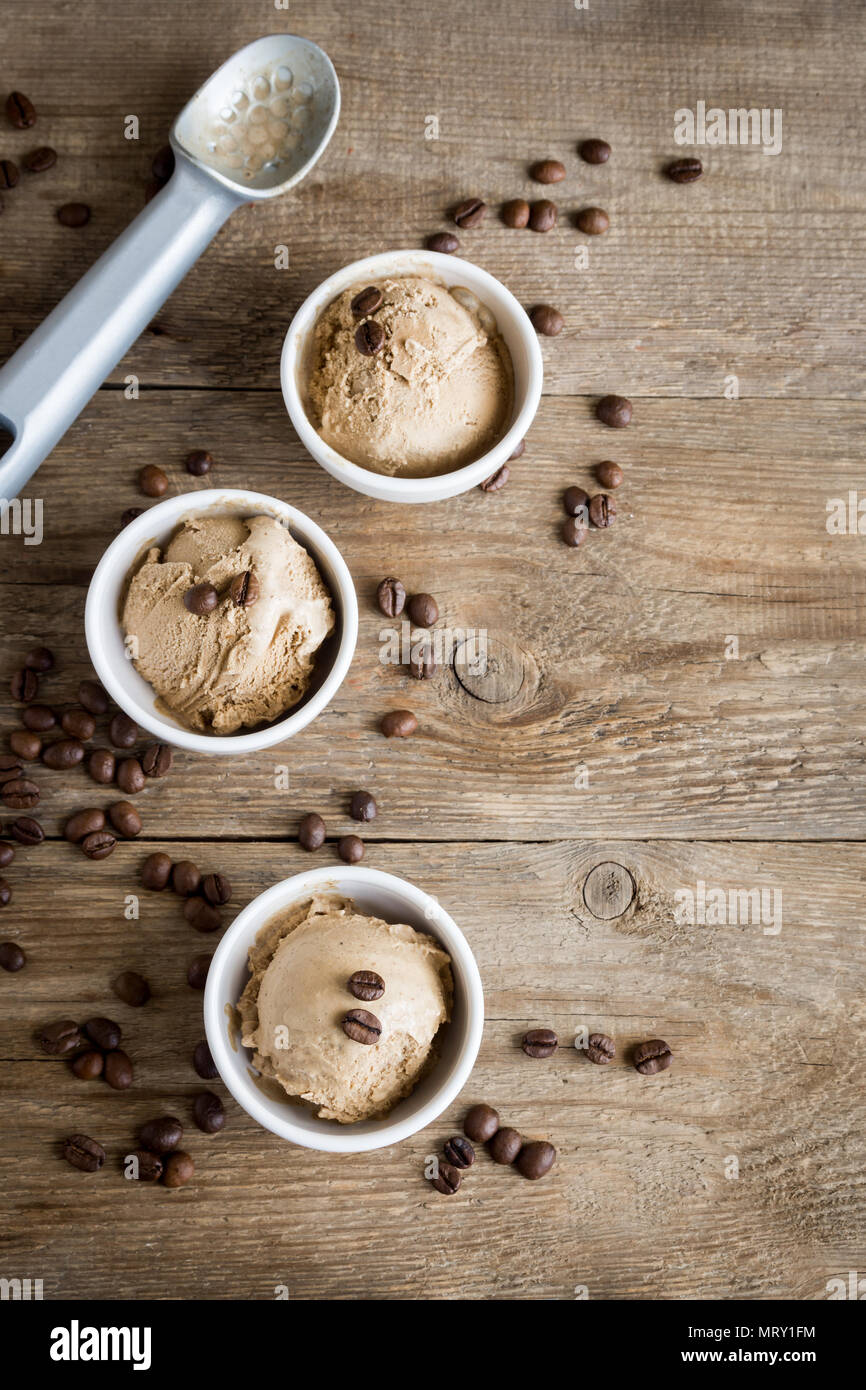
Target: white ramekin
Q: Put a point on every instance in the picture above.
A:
(380, 895)
(154, 527)
(514, 325)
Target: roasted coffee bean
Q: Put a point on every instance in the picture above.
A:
(73, 215)
(25, 745)
(535, 1159)
(162, 164)
(88, 1065)
(423, 610)
(547, 320)
(311, 832)
(540, 1042)
(178, 1170)
(573, 531)
(609, 474)
(148, 1166)
(129, 515)
(61, 1038)
(367, 302)
(244, 589)
(37, 161)
(398, 723)
(362, 1027)
(92, 696)
(83, 823)
(26, 831)
(199, 462)
(470, 213)
(24, 685)
(156, 871)
(600, 1049)
(12, 958)
(196, 971)
(363, 806)
(576, 501)
(20, 110)
(125, 819)
(208, 1112)
(217, 889)
(162, 1134)
(20, 794)
(391, 597)
(63, 754)
(98, 844)
(481, 1123)
(459, 1151)
(653, 1056)
(204, 1062)
(10, 768)
(548, 171)
(447, 1179)
(9, 175)
(186, 878)
(602, 510)
(614, 411)
(685, 170)
(496, 482)
(201, 915)
(369, 337)
(39, 659)
(515, 213)
(5, 893)
(505, 1145)
(366, 985)
(104, 1032)
(7, 853)
(445, 243)
(78, 723)
(101, 765)
(422, 662)
(122, 731)
(350, 849)
(592, 221)
(152, 481)
(201, 599)
(594, 151)
(39, 718)
(130, 776)
(132, 988)
(156, 760)
(118, 1070)
(542, 216)
(83, 1153)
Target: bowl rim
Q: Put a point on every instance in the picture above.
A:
(120, 554)
(382, 485)
(336, 1138)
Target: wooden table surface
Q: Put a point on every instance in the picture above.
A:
(681, 697)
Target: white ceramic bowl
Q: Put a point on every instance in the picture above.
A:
(380, 895)
(154, 527)
(514, 325)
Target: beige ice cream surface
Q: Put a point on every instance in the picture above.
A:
(437, 396)
(236, 666)
(294, 1003)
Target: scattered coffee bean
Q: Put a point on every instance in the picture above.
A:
(156, 871)
(92, 696)
(350, 849)
(20, 110)
(422, 664)
(101, 766)
(83, 823)
(203, 1061)
(196, 971)
(7, 853)
(83, 1153)
(178, 1170)
(369, 337)
(129, 515)
(391, 597)
(130, 776)
(122, 731)
(61, 1038)
(602, 510)
(311, 832)
(217, 889)
(87, 1066)
(63, 754)
(505, 1145)
(39, 659)
(125, 819)
(614, 411)
(515, 213)
(366, 985)
(201, 915)
(156, 760)
(685, 170)
(542, 216)
(548, 171)
(594, 151)
(186, 878)
(161, 1135)
(37, 161)
(362, 1027)
(470, 213)
(445, 243)
(25, 745)
(653, 1056)
(98, 844)
(162, 164)
(12, 958)
(78, 723)
(201, 599)
(366, 302)
(24, 685)
(481, 1123)
(423, 610)
(5, 893)
(540, 1042)
(535, 1159)
(399, 723)
(447, 1179)
(104, 1032)
(9, 175)
(600, 1049)
(573, 530)
(547, 320)
(152, 481)
(244, 589)
(20, 794)
(363, 806)
(459, 1151)
(132, 988)
(208, 1112)
(147, 1167)
(576, 501)
(609, 474)
(39, 718)
(10, 768)
(199, 462)
(592, 221)
(73, 215)
(496, 482)
(26, 831)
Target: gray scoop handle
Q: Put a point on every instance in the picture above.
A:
(52, 376)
